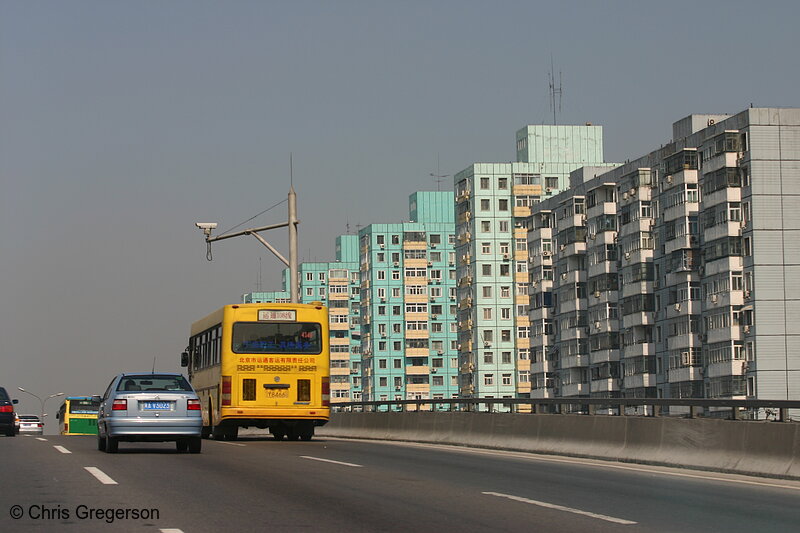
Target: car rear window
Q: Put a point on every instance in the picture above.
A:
(3, 394)
(153, 383)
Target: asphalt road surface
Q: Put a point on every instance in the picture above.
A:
(56, 483)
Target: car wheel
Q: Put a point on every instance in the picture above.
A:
(195, 444)
(101, 443)
(182, 445)
(112, 445)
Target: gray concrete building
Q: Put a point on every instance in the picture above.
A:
(674, 275)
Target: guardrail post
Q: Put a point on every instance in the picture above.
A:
(735, 415)
(784, 414)
(591, 409)
(694, 410)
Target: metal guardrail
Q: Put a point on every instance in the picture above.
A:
(777, 410)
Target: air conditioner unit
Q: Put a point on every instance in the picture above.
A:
(487, 344)
(713, 298)
(383, 246)
(440, 352)
(669, 179)
(597, 294)
(592, 236)
(677, 307)
(548, 190)
(354, 371)
(597, 325)
(434, 317)
(632, 192)
(433, 298)
(627, 255)
(685, 359)
(383, 335)
(396, 263)
(433, 370)
(746, 329)
(397, 388)
(746, 295)
(430, 263)
(624, 196)
(505, 257)
(545, 253)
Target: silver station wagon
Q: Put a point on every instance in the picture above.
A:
(149, 408)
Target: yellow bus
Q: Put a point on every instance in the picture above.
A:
(262, 366)
(78, 415)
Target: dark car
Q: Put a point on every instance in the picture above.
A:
(7, 415)
(149, 408)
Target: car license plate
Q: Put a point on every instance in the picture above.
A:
(157, 406)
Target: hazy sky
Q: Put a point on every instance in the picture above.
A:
(123, 123)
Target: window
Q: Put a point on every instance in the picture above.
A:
(502, 183)
(503, 226)
(487, 291)
(435, 239)
(398, 363)
(485, 206)
(487, 313)
(551, 182)
(484, 183)
(381, 274)
(486, 269)
(488, 379)
(502, 204)
(486, 226)
(488, 357)
(486, 248)
(309, 276)
(506, 357)
(506, 379)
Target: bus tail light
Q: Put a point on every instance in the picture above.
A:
(120, 405)
(326, 392)
(193, 405)
(226, 390)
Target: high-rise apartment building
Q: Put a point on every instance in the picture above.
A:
(408, 303)
(494, 202)
(672, 275)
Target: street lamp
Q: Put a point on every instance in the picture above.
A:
(42, 401)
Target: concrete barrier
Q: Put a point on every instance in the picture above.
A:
(745, 447)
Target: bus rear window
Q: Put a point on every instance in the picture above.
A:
(280, 338)
(83, 407)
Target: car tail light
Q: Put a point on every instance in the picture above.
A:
(6, 408)
(120, 405)
(40, 425)
(326, 392)
(226, 390)
(193, 405)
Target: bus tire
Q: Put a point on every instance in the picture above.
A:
(181, 445)
(306, 430)
(112, 445)
(195, 444)
(278, 434)
(293, 434)
(101, 443)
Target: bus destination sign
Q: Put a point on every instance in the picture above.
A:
(280, 315)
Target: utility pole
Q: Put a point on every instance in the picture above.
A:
(292, 223)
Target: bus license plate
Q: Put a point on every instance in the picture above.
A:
(277, 394)
(157, 406)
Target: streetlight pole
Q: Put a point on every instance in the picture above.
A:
(42, 401)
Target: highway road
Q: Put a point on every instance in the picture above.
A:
(56, 483)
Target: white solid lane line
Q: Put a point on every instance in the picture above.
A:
(171, 530)
(40, 438)
(62, 449)
(330, 461)
(100, 475)
(231, 443)
(562, 508)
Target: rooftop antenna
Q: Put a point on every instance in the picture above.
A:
(438, 177)
(258, 280)
(154, 365)
(555, 91)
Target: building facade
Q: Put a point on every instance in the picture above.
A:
(408, 303)
(671, 276)
(494, 202)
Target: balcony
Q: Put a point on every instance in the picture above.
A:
(638, 381)
(605, 385)
(418, 370)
